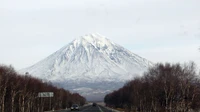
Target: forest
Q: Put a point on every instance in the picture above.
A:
(19, 93)
(162, 88)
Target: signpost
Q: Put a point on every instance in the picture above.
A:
(46, 94)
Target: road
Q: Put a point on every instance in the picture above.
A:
(90, 108)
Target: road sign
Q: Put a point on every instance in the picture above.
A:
(45, 94)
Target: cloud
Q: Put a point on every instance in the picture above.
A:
(174, 54)
(141, 25)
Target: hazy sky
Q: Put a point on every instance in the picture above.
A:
(158, 30)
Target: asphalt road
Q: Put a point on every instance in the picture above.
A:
(90, 108)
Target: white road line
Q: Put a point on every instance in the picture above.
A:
(86, 109)
(100, 109)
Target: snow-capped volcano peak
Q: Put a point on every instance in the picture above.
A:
(91, 61)
(95, 39)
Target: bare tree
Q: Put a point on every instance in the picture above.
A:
(20, 93)
(164, 87)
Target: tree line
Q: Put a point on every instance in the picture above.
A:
(163, 88)
(19, 93)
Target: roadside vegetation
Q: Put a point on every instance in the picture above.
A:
(20, 93)
(163, 88)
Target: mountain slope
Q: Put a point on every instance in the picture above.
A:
(90, 64)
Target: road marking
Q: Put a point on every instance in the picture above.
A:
(86, 109)
(100, 109)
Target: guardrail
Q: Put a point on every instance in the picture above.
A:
(111, 109)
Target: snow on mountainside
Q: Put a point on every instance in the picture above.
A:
(91, 63)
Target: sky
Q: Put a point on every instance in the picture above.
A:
(158, 30)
